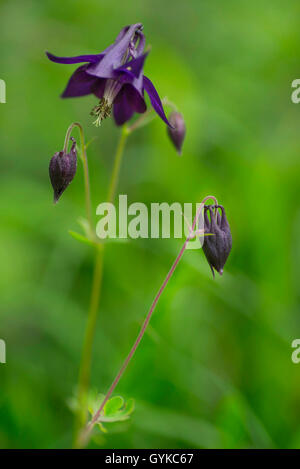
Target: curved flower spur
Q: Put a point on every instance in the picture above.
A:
(116, 77)
(216, 247)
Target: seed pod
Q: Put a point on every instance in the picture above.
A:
(177, 131)
(62, 170)
(217, 245)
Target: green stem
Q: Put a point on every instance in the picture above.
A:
(117, 165)
(86, 357)
(143, 120)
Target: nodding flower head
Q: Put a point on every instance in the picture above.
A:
(217, 245)
(62, 170)
(177, 132)
(116, 77)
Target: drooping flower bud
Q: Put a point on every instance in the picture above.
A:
(217, 245)
(177, 131)
(62, 170)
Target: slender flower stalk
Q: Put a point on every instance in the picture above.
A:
(143, 120)
(84, 438)
(126, 131)
(86, 356)
(117, 164)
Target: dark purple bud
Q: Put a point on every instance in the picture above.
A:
(217, 245)
(177, 133)
(62, 170)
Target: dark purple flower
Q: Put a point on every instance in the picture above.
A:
(62, 170)
(217, 246)
(177, 133)
(116, 77)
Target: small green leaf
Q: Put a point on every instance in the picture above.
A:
(115, 410)
(113, 405)
(115, 240)
(81, 238)
(124, 414)
(102, 428)
(90, 141)
(130, 406)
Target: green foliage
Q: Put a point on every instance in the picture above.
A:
(115, 410)
(81, 238)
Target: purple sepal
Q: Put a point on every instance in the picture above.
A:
(80, 83)
(134, 68)
(155, 100)
(75, 60)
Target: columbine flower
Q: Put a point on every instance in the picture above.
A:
(217, 246)
(116, 77)
(177, 133)
(62, 170)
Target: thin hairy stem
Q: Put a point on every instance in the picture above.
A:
(167, 102)
(87, 431)
(143, 120)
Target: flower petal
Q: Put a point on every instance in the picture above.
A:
(114, 56)
(137, 45)
(141, 45)
(75, 60)
(80, 84)
(99, 87)
(121, 34)
(122, 108)
(128, 101)
(134, 67)
(155, 100)
(135, 98)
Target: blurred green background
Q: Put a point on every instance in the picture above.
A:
(215, 368)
